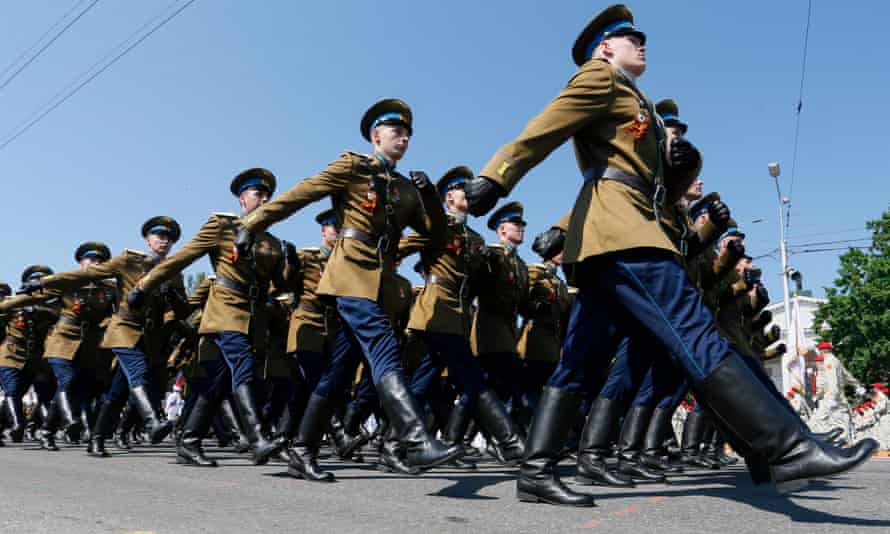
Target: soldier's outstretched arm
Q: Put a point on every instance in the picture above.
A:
(17, 301)
(430, 219)
(76, 278)
(328, 182)
(412, 244)
(206, 240)
(585, 99)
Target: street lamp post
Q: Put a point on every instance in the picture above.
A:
(790, 335)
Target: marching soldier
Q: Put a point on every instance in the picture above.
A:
(29, 319)
(540, 343)
(502, 298)
(626, 267)
(441, 317)
(72, 348)
(234, 322)
(136, 336)
(374, 203)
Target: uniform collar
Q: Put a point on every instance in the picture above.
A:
(325, 251)
(551, 267)
(387, 166)
(509, 247)
(457, 216)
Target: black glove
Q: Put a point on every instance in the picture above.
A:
(775, 331)
(718, 213)
(290, 254)
(136, 298)
(762, 295)
(243, 243)
(683, 157)
(549, 243)
(766, 317)
(736, 247)
(781, 348)
(751, 277)
(482, 195)
(31, 286)
(421, 180)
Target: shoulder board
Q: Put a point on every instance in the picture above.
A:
(211, 277)
(137, 253)
(496, 245)
(225, 214)
(311, 249)
(355, 155)
(573, 290)
(537, 266)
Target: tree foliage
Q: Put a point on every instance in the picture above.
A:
(858, 307)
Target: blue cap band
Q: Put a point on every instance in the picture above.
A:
(160, 229)
(328, 221)
(253, 182)
(509, 215)
(454, 182)
(598, 38)
(90, 254)
(38, 274)
(670, 117)
(391, 116)
(730, 232)
(699, 209)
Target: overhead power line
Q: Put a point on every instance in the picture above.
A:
(47, 44)
(832, 232)
(803, 72)
(61, 97)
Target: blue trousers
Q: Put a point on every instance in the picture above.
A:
(629, 295)
(119, 390)
(365, 394)
(536, 373)
(66, 373)
(13, 381)
(367, 327)
(503, 371)
(451, 351)
(237, 351)
(134, 365)
(345, 357)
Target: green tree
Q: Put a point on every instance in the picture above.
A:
(194, 280)
(858, 307)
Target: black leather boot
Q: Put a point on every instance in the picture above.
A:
(302, 456)
(348, 436)
(262, 448)
(106, 422)
(189, 448)
(538, 480)
(655, 454)
(718, 445)
(454, 431)
(47, 433)
(125, 428)
(596, 445)
(157, 430)
(630, 444)
(87, 421)
(492, 416)
(69, 415)
(391, 454)
(16, 418)
(693, 430)
(829, 436)
(233, 424)
(754, 416)
(421, 449)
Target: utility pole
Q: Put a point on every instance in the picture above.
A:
(790, 334)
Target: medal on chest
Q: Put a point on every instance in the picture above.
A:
(640, 125)
(551, 294)
(76, 306)
(511, 278)
(370, 202)
(456, 244)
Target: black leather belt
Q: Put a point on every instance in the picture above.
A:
(72, 321)
(359, 235)
(250, 292)
(442, 282)
(311, 307)
(633, 181)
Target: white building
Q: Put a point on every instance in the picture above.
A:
(785, 371)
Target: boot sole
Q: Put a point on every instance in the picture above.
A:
(790, 486)
(528, 497)
(299, 474)
(188, 463)
(444, 460)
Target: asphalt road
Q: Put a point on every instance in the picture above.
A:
(145, 491)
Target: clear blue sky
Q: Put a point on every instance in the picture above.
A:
(229, 85)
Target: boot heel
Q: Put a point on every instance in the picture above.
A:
(792, 486)
(586, 481)
(524, 496)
